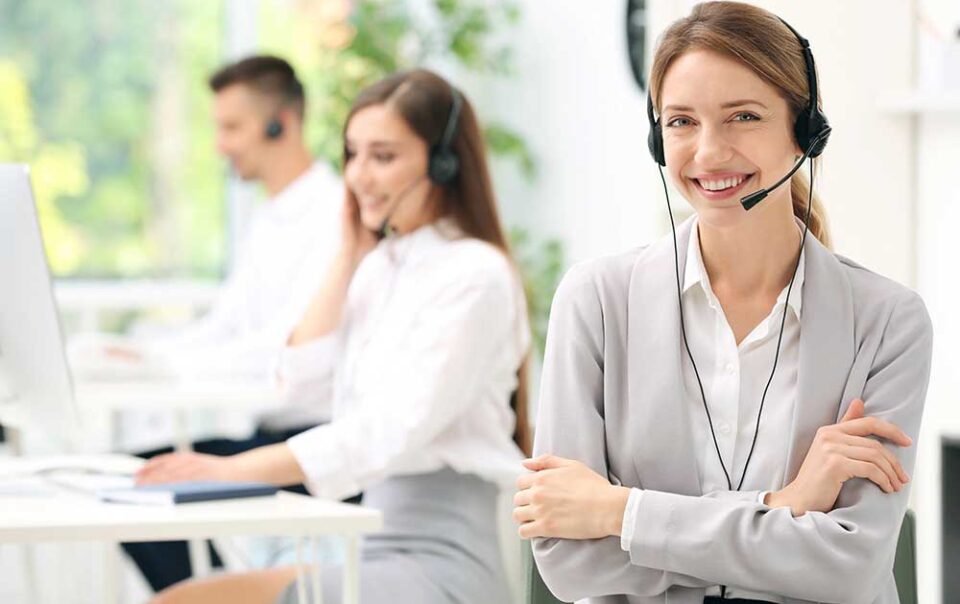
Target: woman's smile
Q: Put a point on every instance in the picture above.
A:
(721, 186)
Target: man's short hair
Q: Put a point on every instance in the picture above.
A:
(267, 75)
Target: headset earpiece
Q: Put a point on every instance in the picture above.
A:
(274, 129)
(444, 164)
(655, 136)
(811, 126)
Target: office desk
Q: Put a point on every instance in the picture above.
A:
(179, 397)
(72, 516)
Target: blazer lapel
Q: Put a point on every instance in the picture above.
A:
(664, 457)
(827, 350)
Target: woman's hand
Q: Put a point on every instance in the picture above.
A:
(840, 452)
(356, 239)
(566, 499)
(273, 464)
(178, 467)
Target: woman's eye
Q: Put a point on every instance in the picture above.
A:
(678, 122)
(384, 158)
(746, 117)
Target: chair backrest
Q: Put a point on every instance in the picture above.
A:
(905, 562)
(904, 568)
(536, 591)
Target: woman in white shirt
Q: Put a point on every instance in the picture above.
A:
(728, 412)
(424, 332)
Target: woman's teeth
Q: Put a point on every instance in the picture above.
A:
(720, 185)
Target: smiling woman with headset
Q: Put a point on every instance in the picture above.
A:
(729, 412)
(421, 329)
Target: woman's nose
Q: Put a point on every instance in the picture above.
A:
(357, 173)
(713, 147)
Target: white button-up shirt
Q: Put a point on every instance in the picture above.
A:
(291, 241)
(423, 364)
(734, 377)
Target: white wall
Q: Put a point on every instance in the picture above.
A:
(938, 147)
(575, 103)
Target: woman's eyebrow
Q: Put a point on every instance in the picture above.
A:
(384, 143)
(740, 103)
(376, 143)
(727, 105)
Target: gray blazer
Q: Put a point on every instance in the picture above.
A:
(610, 397)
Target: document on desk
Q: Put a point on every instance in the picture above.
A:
(186, 492)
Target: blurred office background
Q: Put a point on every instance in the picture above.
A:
(107, 101)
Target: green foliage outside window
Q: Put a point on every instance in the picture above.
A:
(114, 100)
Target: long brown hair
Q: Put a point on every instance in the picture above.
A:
(761, 42)
(424, 99)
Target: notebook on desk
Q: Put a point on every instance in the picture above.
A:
(186, 492)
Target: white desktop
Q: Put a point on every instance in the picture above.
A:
(36, 392)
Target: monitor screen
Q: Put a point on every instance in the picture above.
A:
(37, 386)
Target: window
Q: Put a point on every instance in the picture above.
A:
(107, 101)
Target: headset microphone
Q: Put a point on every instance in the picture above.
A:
(757, 196)
(394, 204)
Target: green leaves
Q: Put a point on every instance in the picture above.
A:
(386, 36)
(541, 267)
(504, 142)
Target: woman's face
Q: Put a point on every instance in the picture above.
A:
(726, 134)
(386, 165)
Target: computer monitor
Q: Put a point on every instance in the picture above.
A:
(36, 390)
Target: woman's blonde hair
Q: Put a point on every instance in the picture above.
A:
(760, 41)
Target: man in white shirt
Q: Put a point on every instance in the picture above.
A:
(258, 109)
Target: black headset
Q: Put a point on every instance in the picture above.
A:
(274, 128)
(811, 127)
(812, 131)
(444, 164)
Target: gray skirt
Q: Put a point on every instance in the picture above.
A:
(438, 545)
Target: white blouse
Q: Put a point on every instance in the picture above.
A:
(291, 241)
(423, 365)
(734, 377)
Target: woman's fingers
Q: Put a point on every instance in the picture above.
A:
(523, 514)
(874, 457)
(870, 471)
(862, 441)
(529, 530)
(167, 468)
(872, 426)
(854, 411)
(522, 497)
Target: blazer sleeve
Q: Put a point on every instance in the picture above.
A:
(839, 556)
(570, 424)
